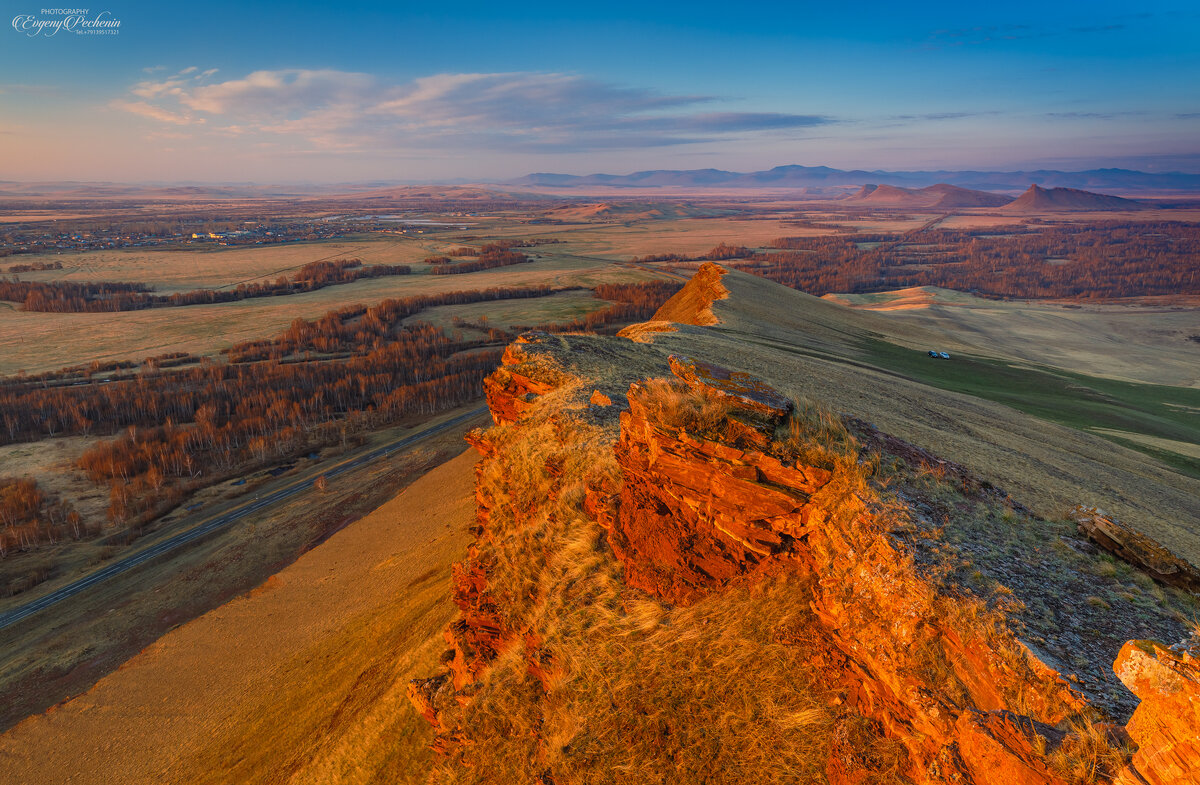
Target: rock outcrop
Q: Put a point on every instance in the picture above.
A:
(1136, 548)
(1166, 725)
(693, 512)
(696, 512)
(699, 505)
(509, 392)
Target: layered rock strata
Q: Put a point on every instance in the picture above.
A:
(697, 509)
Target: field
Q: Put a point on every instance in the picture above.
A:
(1143, 343)
(36, 342)
(1160, 418)
(1025, 429)
(562, 307)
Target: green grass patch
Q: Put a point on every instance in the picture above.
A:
(1071, 399)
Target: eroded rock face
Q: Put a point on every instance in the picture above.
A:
(695, 513)
(740, 389)
(692, 512)
(509, 392)
(1136, 548)
(1166, 724)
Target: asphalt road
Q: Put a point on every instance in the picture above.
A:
(178, 541)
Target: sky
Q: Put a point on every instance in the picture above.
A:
(398, 91)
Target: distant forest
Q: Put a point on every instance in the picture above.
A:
(1093, 261)
(318, 383)
(102, 296)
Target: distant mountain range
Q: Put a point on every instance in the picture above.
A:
(940, 196)
(794, 176)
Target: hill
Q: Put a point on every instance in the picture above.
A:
(796, 177)
(939, 197)
(1040, 200)
(608, 212)
(745, 545)
(305, 673)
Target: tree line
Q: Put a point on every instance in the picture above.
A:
(29, 516)
(317, 383)
(110, 296)
(34, 267)
(486, 258)
(1093, 261)
(720, 253)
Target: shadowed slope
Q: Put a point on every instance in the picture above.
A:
(302, 678)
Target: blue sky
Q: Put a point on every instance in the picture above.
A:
(354, 91)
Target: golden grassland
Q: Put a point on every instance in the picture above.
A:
(212, 267)
(36, 342)
(61, 652)
(1142, 343)
(300, 680)
(562, 307)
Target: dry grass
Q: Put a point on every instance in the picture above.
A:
(675, 405)
(36, 342)
(1088, 755)
(813, 435)
(300, 680)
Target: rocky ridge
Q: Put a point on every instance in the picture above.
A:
(693, 511)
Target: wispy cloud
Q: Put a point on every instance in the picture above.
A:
(339, 110)
(155, 112)
(942, 115)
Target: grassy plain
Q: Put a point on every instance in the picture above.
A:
(47, 341)
(1109, 407)
(1148, 342)
(586, 256)
(562, 307)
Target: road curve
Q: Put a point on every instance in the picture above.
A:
(9, 618)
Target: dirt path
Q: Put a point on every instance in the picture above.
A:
(283, 683)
